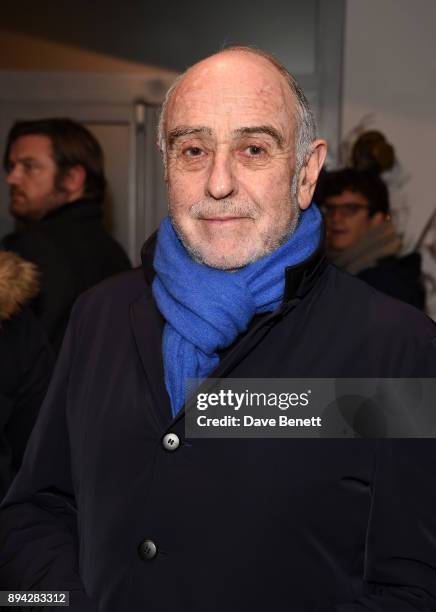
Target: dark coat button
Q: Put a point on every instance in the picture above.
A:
(171, 442)
(147, 550)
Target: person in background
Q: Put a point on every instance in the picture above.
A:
(55, 172)
(361, 237)
(26, 363)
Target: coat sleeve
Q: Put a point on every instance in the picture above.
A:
(400, 552)
(38, 527)
(33, 358)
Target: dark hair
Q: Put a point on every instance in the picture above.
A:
(367, 183)
(73, 145)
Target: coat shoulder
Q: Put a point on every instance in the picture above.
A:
(116, 292)
(122, 287)
(382, 315)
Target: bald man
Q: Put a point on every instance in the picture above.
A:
(115, 504)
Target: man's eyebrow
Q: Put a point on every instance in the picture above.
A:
(183, 130)
(25, 159)
(261, 129)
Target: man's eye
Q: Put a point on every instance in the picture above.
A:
(255, 151)
(28, 166)
(192, 152)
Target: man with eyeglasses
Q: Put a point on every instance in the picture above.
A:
(361, 238)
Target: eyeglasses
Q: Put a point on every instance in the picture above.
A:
(349, 209)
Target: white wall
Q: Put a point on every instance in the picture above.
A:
(390, 72)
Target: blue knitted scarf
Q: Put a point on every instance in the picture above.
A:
(206, 309)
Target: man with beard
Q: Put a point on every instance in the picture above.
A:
(54, 168)
(115, 504)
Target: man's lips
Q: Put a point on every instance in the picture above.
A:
(222, 219)
(16, 194)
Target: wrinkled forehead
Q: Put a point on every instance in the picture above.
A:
(231, 89)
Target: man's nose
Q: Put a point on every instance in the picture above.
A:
(335, 214)
(13, 176)
(221, 182)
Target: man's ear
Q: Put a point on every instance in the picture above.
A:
(74, 182)
(309, 173)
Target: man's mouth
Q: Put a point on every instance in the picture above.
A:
(222, 219)
(225, 223)
(16, 194)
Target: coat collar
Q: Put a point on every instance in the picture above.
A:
(79, 209)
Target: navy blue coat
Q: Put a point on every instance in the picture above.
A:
(240, 525)
(400, 277)
(26, 365)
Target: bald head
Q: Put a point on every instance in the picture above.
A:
(235, 182)
(233, 66)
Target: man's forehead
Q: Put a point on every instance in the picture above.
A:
(32, 144)
(222, 87)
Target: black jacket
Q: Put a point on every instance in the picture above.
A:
(26, 364)
(73, 252)
(240, 525)
(400, 277)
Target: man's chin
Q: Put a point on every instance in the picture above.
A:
(227, 250)
(224, 257)
(17, 209)
(23, 213)
(339, 246)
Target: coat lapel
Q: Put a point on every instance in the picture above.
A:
(147, 326)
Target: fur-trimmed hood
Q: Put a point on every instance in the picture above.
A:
(18, 283)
